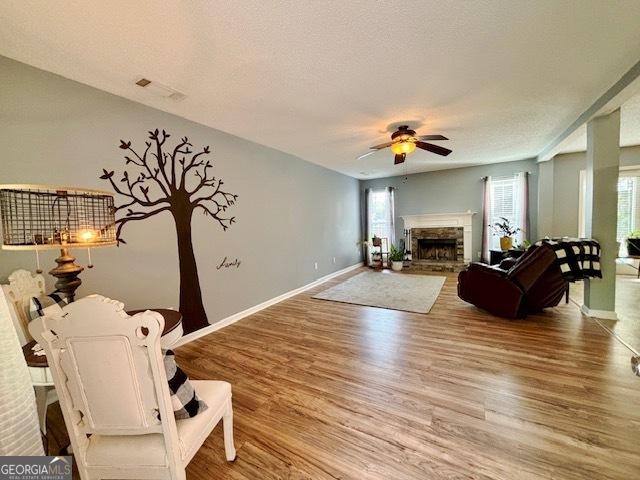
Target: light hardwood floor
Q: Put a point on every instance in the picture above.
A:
(325, 390)
(627, 327)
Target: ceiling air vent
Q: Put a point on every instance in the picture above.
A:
(160, 90)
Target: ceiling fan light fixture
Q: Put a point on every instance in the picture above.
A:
(405, 147)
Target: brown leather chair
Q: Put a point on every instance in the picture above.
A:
(515, 288)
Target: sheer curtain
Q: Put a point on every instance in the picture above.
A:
(522, 207)
(380, 213)
(487, 212)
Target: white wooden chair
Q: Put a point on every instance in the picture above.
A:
(23, 285)
(109, 374)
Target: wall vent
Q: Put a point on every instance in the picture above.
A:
(160, 90)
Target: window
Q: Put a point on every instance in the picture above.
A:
(380, 214)
(628, 206)
(505, 202)
(628, 209)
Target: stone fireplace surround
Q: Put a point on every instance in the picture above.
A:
(438, 244)
(461, 222)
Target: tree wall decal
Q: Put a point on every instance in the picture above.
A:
(180, 182)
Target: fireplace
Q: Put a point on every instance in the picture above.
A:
(437, 249)
(439, 232)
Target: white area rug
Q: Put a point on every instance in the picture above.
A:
(397, 291)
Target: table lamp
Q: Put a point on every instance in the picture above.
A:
(41, 217)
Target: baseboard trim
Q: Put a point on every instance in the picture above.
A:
(261, 306)
(604, 314)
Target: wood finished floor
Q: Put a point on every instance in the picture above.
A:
(324, 390)
(627, 327)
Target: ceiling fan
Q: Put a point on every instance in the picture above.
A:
(404, 141)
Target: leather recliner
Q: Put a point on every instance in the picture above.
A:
(515, 288)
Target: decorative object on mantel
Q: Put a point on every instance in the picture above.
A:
(506, 231)
(40, 217)
(179, 181)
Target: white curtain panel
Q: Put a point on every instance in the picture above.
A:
(486, 220)
(380, 210)
(19, 428)
(523, 206)
(392, 215)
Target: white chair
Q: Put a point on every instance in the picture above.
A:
(23, 285)
(109, 374)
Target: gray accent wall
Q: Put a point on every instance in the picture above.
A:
(559, 198)
(290, 214)
(453, 191)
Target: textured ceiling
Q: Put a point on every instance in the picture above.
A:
(629, 129)
(323, 80)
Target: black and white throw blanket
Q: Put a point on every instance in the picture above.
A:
(578, 258)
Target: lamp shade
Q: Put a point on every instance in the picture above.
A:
(41, 216)
(403, 147)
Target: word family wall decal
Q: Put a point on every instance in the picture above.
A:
(179, 181)
(228, 264)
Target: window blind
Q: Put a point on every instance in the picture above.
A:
(504, 203)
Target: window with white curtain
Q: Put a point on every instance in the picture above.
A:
(628, 206)
(380, 214)
(505, 202)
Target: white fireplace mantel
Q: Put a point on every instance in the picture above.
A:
(435, 220)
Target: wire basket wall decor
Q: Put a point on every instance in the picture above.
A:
(37, 216)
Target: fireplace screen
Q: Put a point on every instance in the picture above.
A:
(443, 249)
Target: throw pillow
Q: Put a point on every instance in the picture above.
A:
(184, 400)
(50, 305)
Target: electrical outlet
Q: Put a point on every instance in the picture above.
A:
(334, 260)
(479, 255)
(315, 265)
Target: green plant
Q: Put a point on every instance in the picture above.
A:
(524, 245)
(395, 254)
(504, 228)
(634, 234)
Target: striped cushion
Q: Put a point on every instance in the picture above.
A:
(184, 400)
(50, 305)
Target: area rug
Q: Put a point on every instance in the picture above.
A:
(396, 291)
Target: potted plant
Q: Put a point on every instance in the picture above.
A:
(633, 244)
(506, 231)
(396, 257)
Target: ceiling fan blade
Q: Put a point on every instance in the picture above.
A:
(382, 145)
(366, 154)
(432, 137)
(430, 147)
(399, 158)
